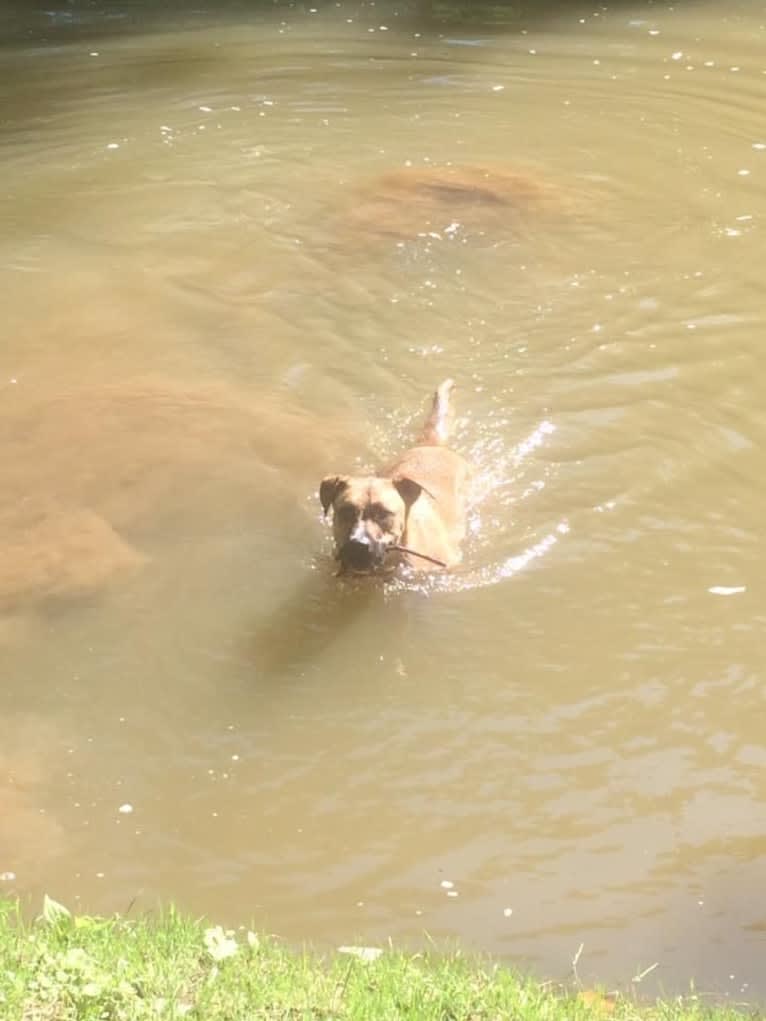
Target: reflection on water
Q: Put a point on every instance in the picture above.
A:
(239, 248)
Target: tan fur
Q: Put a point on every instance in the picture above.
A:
(418, 501)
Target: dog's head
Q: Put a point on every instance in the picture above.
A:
(369, 516)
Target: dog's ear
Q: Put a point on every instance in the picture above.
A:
(330, 488)
(409, 490)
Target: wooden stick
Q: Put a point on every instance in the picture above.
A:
(414, 553)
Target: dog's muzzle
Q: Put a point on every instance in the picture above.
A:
(361, 553)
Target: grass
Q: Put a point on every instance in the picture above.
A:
(66, 968)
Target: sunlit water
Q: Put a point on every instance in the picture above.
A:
(211, 298)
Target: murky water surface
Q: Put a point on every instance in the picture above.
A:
(231, 263)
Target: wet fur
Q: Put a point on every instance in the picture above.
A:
(418, 501)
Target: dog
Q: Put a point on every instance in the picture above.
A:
(413, 512)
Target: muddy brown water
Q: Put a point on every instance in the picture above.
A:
(213, 294)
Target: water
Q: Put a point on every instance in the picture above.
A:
(214, 293)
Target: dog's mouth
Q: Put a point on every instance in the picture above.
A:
(363, 557)
(366, 558)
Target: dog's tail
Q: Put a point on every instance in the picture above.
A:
(437, 425)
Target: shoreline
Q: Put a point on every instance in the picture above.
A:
(65, 967)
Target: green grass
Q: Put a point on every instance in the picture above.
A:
(65, 968)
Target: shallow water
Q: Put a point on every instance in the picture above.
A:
(211, 299)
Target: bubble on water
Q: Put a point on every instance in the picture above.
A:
(446, 884)
(125, 809)
(727, 590)
(206, 109)
(452, 893)
(507, 912)
(7, 877)
(677, 55)
(113, 145)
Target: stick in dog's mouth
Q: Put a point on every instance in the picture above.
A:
(414, 553)
(402, 549)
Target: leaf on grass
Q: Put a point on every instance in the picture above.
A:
(53, 912)
(220, 944)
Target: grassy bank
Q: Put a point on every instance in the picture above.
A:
(65, 968)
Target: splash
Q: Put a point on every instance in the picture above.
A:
(496, 488)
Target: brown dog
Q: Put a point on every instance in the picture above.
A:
(413, 512)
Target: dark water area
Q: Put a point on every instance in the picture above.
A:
(239, 245)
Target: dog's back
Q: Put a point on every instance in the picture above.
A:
(444, 477)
